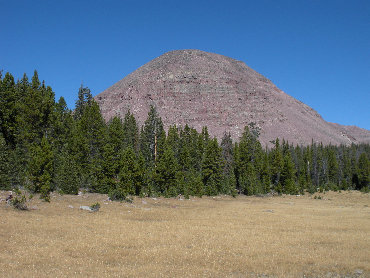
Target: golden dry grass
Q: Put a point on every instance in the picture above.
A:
(285, 236)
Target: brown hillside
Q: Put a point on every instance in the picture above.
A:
(205, 89)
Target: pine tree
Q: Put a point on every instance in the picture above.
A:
(8, 109)
(84, 100)
(346, 170)
(250, 161)
(107, 169)
(307, 162)
(35, 83)
(41, 168)
(195, 183)
(116, 134)
(61, 126)
(173, 140)
(363, 172)
(130, 132)
(166, 172)
(288, 175)
(66, 173)
(5, 179)
(265, 174)
(36, 106)
(277, 163)
(333, 168)
(250, 184)
(191, 149)
(185, 159)
(152, 137)
(131, 175)
(89, 139)
(229, 181)
(212, 167)
(227, 154)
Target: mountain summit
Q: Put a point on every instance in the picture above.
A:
(205, 89)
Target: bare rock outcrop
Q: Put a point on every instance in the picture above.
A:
(205, 89)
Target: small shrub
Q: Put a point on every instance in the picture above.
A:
(20, 200)
(119, 195)
(45, 193)
(311, 189)
(95, 207)
(234, 193)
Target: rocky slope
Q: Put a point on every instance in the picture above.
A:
(205, 89)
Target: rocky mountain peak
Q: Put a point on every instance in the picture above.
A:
(205, 89)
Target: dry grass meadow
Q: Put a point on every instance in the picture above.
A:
(282, 236)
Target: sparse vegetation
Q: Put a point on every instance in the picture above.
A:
(280, 236)
(95, 206)
(20, 200)
(119, 195)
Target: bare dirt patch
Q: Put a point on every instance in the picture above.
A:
(285, 236)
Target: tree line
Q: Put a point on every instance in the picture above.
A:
(44, 147)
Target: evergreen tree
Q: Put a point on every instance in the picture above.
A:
(116, 134)
(5, 180)
(41, 168)
(346, 176)
(130, 132)
(363, 172)
(152, 137)
(185, 159)
(84, 99)
(66, 173)
(229, 181)
(36, 108)
(205, 135)
(250, 184)
(173, 140)
(107, 169)
(249, 162)
(191, 149)
(333, 168)
(131, 175)
(300, 168)
(35, 83)
(288, 175)
(89, 139)
(194, 183)
(9, 110)
(227, 154)
(62, 124)
(166, 173)
(212, 168)
(265, 174)
(307, 162)
(277, 163)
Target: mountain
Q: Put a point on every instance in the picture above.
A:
(205, 89)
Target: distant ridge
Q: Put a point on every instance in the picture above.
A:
(205, 89)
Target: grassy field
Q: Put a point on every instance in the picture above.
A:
(284, 236)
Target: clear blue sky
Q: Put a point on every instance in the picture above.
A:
(317, 51)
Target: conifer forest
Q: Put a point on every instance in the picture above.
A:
(45, 147)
